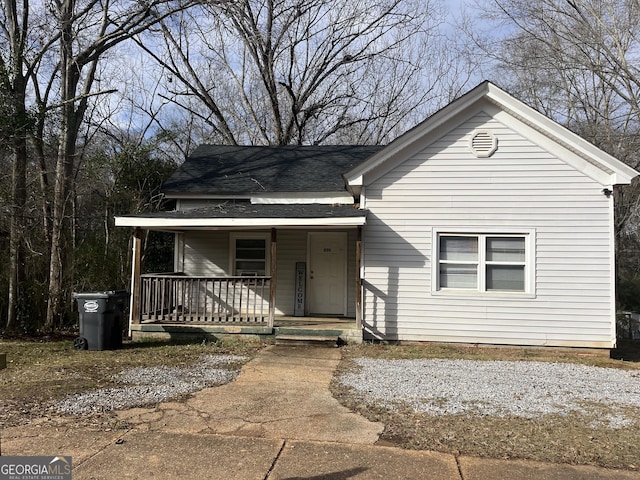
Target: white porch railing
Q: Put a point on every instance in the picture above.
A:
(178, 298)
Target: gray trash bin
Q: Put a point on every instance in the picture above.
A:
(100, 316)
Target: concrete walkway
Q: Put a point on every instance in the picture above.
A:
(282, 393)
(277, 420)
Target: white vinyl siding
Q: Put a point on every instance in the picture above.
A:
(208, 252)
(521, 187)
(292, 248)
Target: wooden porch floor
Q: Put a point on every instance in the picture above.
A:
(309, 323)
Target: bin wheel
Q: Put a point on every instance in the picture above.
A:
(80, 343)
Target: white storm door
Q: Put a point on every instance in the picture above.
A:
(327, 285)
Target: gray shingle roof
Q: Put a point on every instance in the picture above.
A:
(231, 209)
(220, 169)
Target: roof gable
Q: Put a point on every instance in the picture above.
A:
(583, 155)
(237, 170)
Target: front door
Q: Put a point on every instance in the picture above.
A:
(327, 284)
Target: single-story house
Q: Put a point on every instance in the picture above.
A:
(488, 223)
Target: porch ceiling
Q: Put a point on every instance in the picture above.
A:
(244, 214)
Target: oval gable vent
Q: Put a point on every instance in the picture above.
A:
(483, 143)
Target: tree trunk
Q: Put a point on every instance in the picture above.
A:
(55, 263)
(14, 83)
(64, 166)
(45, 187)
(17, 230)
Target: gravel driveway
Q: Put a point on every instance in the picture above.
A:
(498, 388)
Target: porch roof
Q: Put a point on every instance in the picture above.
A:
(244, 214)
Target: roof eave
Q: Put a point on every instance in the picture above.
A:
(168, 223)
(617, 171)
(621, 172)
(356, 175)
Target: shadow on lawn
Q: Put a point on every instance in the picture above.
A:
(129, 345)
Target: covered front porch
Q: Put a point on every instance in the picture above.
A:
(234, 276)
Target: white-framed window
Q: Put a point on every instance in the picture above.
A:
(249, 254)
(488, 262)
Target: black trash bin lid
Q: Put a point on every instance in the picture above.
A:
(102, 294)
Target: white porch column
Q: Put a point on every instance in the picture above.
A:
(134, 300)
(358, 279)
(274, 275)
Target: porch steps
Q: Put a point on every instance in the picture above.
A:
(308, 340)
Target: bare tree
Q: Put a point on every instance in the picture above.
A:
(305, 71)
(13, 96)
(574, 60)
(17, 62)
(577, 61)
(86, 31)
(50, 58)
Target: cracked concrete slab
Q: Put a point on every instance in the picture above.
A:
(330, 460)
(80, 443)
(168, 456)
(282, 393)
